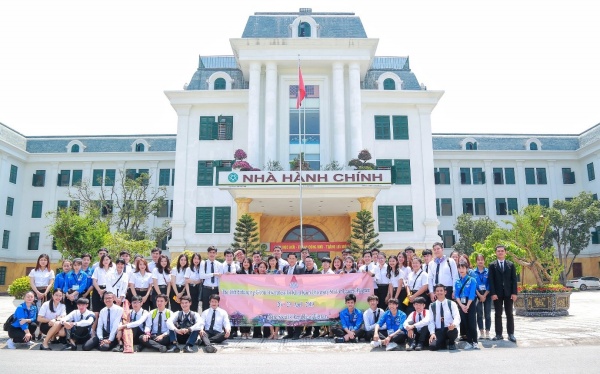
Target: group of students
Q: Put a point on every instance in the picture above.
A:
(403, 285)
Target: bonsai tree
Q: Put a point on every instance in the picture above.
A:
(19, 287)
(363, 235)
(362, 162)
(295, 163)
(246, 234)
(240, 163)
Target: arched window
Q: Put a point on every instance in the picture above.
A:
(311, 234)
(75, 148)
(220, 84)
(139, 147)
(471, 146)
(389, 84)
(533, 146)
(304, 30)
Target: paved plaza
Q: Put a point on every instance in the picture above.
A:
(575, 329)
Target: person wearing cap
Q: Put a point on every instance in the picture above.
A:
(77, 325)
(210, 271)
(416, 325)
(326, 266)
(393, 319)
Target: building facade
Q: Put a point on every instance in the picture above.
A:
(355, 100)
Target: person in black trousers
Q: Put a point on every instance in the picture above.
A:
(503, 289)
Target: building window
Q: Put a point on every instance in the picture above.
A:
(399, 127)
(10, 205)
(504, 176)
(471, 146)
(205, 173)
(5, 239)
(441, 175)
(62, 205)
(480, 207)
(305, 126)
(77, 174)
(535, 176)
(465, 176)
(64, 178)
(36, 209)
(389, 84)
(304, 30)
(444, 207)
(400, 170)
(13, 174)
(478, 176)
(220, 84)
(33, 243)
(97, 177)
(222, 220)
(139, 147)
(2, 275)
(382, 127)
(385, 218)
(506, 206)
(220, 130)
(447, 238)
(404, 218)
(596, 236)
(477, 208)
(568, 176)
(39, 178)
(203, 220)
(533, 146)
(75, 148)
(166, 177)
(591, 171)
(309, 234)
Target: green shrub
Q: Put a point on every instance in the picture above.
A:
(19, 287)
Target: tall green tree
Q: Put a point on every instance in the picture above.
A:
(119, 241)
(76, 234)
(246, 234)
(571, 222)
(363, 236)
(472, 231)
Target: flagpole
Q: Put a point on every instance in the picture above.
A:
(300, 157)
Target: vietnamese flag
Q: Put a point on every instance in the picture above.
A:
(301, 89)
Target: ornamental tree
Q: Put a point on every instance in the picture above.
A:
(472, 231)
(363, 235)
(246, 234)
(362, 162)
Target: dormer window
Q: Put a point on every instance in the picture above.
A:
(389, 84)
(471, 146)
(304, 30)
(304, 27)
(75, 148)
(139, 147)
(220, 84)
(533, 146)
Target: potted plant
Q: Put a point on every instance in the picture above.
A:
(18, 289)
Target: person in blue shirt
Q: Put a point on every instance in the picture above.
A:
(24, 324)
(77, 285)
(60, 281)
(351, 321)
(484, 300)
(86, 260)
(465, 289)
(394, 320)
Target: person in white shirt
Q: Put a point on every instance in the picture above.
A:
(442, 270)
(140, 284)
(107, 326)
(417, 284)
(193, 280)
(280, 261)
(444, 322)
(100, 278)
(381, 279)
(371, 318)
(210, 271)
(161, 278)
(178, 284)
(417, 325)
(41, 279)
(184, 327)
(215, 326)
(118, 282)
(229, 266)
(155, 253)
(101, 252)
(394, 276)
(137, 321)
(156, 332)
(127, 258)
(239, 255)
(77, 325)
(49, 315)
(326, 266)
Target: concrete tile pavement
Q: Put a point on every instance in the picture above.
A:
(575, 329)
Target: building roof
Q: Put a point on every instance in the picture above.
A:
(58, 144)
(505, 142)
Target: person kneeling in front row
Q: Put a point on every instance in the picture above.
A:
(417, 325)
(351, 320)
(156, 333)
(394, 320)
(444, 321)
(184, 327)
(77, 325)
(108, 323)
(214, 326)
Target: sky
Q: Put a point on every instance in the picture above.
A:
(71, 67)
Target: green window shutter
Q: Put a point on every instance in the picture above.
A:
(10, 205)
(62, 204)
(545, 202)
(532, 201)
(382, 127)
(479, 206)
(386, 164)
(222, 220)
(97, 177)
(77, 174)
(478, 176)
(595, 236)
(444, 175)
(223, 166)
(206, 128)
(385, 218)
(36, 209)
(436, 176)
(498, 176)
(591, 172)
(225, 128)
(467, 206)
(437, 207)
(513, 206)
(75, 205)
(109, 177)
(400, 124)
(33, 243)
(64, 178)
(13, 174)
(5, 239)
(172, 177)
(163, 211)
(509, 175)
(465, 176)
(402, 171)
(39, 178)
(205, 173)
(163, 177)
(529, 175)
(404, 218)
(501, 207)
(446, 207)
(541, 176)
(204, 220)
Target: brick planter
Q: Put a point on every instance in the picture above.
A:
(543, 304)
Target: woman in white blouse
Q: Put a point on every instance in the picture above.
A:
(161, 277)
(193, 280)
(118, 282)
(395, 277)
(41, 279)
(405, 270)
(51, 312)
(100, 278)
(141, 282)
(417, 284)
(179, 287)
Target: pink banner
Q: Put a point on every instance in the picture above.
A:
(291, 300)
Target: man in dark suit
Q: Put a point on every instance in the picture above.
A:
(503, 289)
(294, 267)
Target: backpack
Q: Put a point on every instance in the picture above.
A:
(9, 322)
(449, 307)
(424, 314)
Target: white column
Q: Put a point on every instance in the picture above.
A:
(339, 116)
(355, 109)
(551, 180)
(253, 148)
(522, 200)
(270, 114)
(182, 170)
(456, 186)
